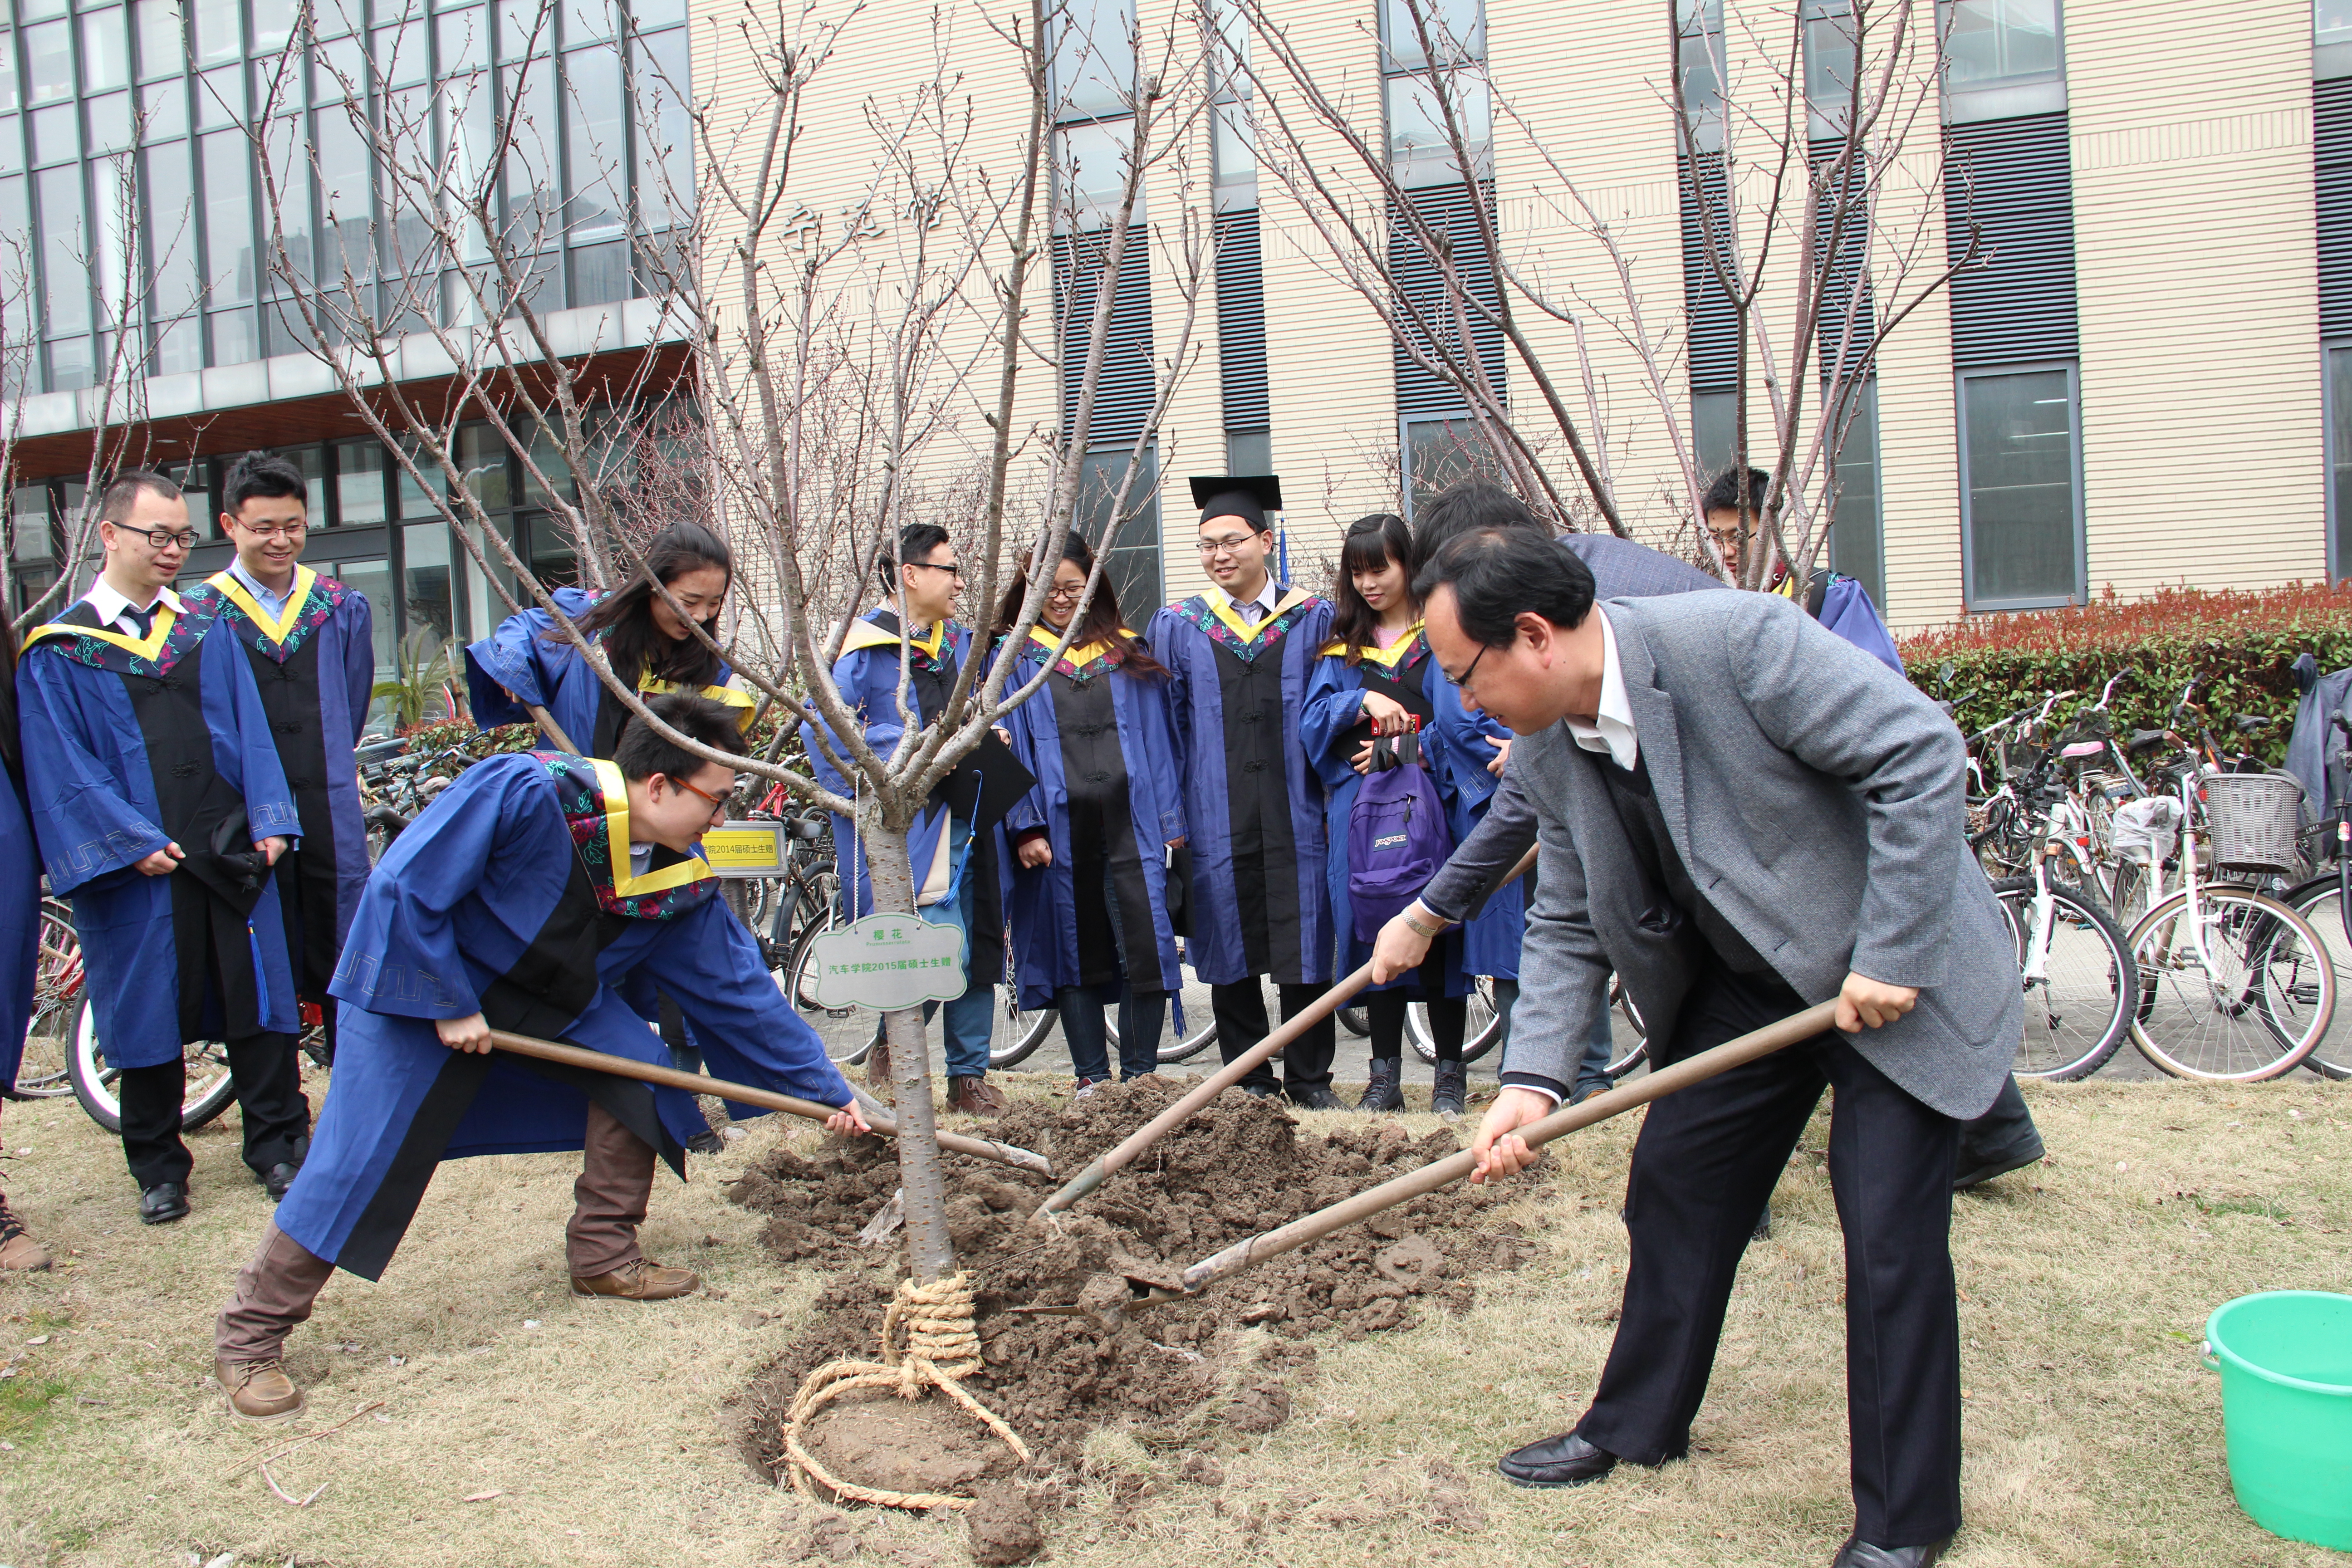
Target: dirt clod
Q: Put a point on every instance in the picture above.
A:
(830, 1540)
(1000, 1527)
(925, 1446)
(1172, 1372)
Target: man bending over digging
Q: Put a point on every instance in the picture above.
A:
(535, 896)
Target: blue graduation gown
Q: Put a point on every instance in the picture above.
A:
(129, 745)
(1492, 940)
(519, 657)
(1255, 804)
(502, 898)
(1043, 911)
(20, 928)
(866, 676)
(1331, 727)
(315, 666)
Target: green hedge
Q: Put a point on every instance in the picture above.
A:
(2240, 644)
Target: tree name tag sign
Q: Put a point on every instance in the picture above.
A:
(887, 962)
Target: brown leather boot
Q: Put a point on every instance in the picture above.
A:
(639, 1279)
(259, 1391)
(974, 1096)
(18, 1251)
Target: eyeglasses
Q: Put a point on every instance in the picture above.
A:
(1725, 537)
(1461, 681)
(1066, 591)
(1230, 544)
(953, 569)
(184, 540)
(717, 805)
(274, 530)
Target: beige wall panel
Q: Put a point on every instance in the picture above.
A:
(1920, 504)
(2196, 260)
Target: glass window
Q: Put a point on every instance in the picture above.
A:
(273, 24)
(482, 459)
(1715, 417)
(2021, 508)
(657, 13)
(1094, 59)
(1232, 154)
(229, 219)
(56, 138)
(48, 63)
(1699, 27)
(105, 50)
(599, 274)
(162, 46)
(534, 214)
(34, 10)
(587, 21)
(425, 589)
(232, 333)
(401, 56)
(343, 194)
(547, 454)
(426, 500)
(15, 218)
(359, 482)
(8, 100)
(1129, 545)
(70, 364)
(373, 580)
(290, 172)
(1456, 31)
(1994, 43)
(28, 524)
(166, 107)
(220, 99)
(109, 123)
(1418, 149)
(2331, 20)
(338, 71)
(1855, 545)
(65, 250)
(524, 29)
(1093, 169)
(596, 139)
(2339, 461)
(312, 462)
(170, 229)
(665, 137)
(12, 149)
(1831, 38)
(218, 35)
(1249, 451)
(1441, 452)
(548, 550)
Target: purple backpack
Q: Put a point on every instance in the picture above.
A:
(1397, 839)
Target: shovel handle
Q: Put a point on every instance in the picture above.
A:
(1652, 1086)
(1118, 1159)
(743, 1093)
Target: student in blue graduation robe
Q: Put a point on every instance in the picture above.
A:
(1372, 679)
(524, 899)
(957, 866)
(1088, 910)
(20, 935)
(1239, 656)
(161, 807)
(527, 663)
(311, 643)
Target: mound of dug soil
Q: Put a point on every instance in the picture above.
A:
(1173, 1372)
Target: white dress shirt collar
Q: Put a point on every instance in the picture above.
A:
(1269, 596)
(269, 599)
(110, 606)
(1611, 729)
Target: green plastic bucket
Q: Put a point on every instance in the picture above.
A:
(2286, 1360)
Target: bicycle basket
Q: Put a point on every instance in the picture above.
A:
(2255, 818)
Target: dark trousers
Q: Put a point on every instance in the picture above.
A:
(1704, 1166)
(1240, 1012)
(1449, 1020)
(267, 1076)
(1142, 1016)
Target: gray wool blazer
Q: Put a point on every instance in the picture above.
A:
(1816, 797)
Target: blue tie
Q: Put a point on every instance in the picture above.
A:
(144, 619)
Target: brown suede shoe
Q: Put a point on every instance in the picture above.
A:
(974, 1096)
(640, 1280)
(259, 1391)
(18, 1251)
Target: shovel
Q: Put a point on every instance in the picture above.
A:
(1144, 1290)
(743, 1093)
(1216, 1083)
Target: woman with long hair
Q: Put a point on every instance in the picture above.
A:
(1089, 910)
(20, 928)
(529, 663)
(1371, 682)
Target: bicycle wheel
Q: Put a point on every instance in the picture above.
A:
(1479, 1033)
(1355, 1020)
(1622, 1000)
(848, 1033)
(208, 1092)
(2242, 994)
(1015, 1031)
(1191, 1026)
(2082, 989)
(44, 1070)
(2321, 902)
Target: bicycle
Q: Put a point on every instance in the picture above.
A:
(1485, 1029)
(2312, 900)
(2234, 985)
(43, 1071)
(2082, 987)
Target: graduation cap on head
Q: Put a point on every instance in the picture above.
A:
(1249, 497)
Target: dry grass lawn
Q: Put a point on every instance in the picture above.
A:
(605, 1434)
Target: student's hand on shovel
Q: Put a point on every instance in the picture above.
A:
(1499, 1148)
(472, 1034)
(1862, 1000)
(848, 1119)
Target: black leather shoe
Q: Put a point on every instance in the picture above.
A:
(707, 1142)
(1382, 1091)
(277, 1178)
(1566, 1460)
(1977, 1167)
(1258, 1092)
(1317, 1098)
(163, 1203)
(1763, 1231)
(1446, 1095)
(1859, 1554)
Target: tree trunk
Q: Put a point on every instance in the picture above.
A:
(931, 1253)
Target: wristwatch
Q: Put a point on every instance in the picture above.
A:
(1419, 929)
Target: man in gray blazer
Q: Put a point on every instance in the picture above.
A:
(1740, 815)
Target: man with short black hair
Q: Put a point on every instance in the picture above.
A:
(529, 897)
(1741, 814)
(311, 643)
(160, 808)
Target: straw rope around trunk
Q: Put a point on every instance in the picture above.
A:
(942, 1349)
